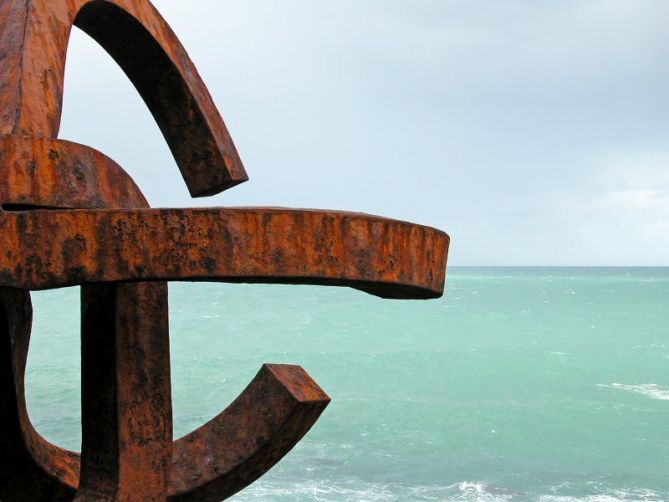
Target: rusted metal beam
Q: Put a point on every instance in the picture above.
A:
(49, 249)
(126, 392)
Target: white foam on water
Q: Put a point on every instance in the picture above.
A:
(466, 491)
(651, 390)
(613, 496)
(316, 490)
(356, 491)
(478, 491)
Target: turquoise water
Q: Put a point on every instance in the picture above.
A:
(521, 384)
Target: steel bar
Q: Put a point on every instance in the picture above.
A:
(392, 259)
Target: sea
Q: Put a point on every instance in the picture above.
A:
(519, 384)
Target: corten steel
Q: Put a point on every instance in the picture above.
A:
(71, 216)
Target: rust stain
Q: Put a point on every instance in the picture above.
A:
(69, 215)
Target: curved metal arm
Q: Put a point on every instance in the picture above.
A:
(34, 36)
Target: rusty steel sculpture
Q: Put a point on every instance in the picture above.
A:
(71, 216)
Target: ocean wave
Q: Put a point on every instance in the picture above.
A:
(613, 496)
(465, 491)
(651, 390)
(357, 491)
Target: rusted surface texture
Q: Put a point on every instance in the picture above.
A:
(61, 248)
(263, 424)
(69, 215)
(126, 397)
(34, 36)
(49, 173)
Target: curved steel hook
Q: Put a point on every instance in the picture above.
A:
(268, 418)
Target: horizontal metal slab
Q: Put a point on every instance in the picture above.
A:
(46, 249)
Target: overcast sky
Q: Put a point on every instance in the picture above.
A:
(534, 132)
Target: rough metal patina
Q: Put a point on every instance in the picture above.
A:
(71, 216)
